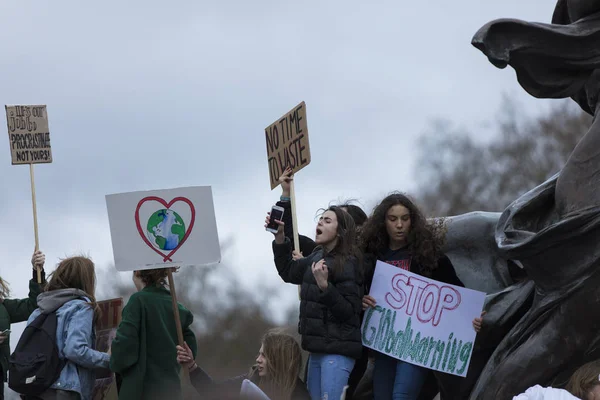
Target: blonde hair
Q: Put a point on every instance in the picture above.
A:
(584, 379)
(284, 361)
(4, 289)
(76, 273)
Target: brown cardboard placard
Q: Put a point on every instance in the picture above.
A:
(105, 387)
(287, 143)
(28, 134)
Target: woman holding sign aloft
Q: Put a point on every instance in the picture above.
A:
(18, 310)
(398, 234)
(330, 299)
(144, 349)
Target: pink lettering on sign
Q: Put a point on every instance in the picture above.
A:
(417, 296)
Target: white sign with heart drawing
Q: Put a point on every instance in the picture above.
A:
(163, 228)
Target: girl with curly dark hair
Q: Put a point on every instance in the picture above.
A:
(397, 233)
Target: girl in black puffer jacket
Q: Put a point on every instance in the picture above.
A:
(330, 306)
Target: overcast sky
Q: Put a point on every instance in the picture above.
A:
(149, 95)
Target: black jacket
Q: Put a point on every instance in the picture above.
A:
(330, 319)
(230, 389)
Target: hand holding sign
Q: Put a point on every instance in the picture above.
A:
(285, 180)
(38, 259)
(478, 322)
(368, 302)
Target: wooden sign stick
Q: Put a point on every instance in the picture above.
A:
(294, 218)
(184, 377)
(175, 308)
(295, 223)
(35, 224)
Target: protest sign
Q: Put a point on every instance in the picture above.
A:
(28, 134)
(29, 139)
(287, 143)
(105, 387)
(421, 321)
(163, 228)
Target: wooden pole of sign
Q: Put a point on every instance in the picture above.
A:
(175, 307)
(295, 222)
(294, 219)
(35, 224)
(176, 315)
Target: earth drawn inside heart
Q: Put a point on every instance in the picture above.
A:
(165, 229)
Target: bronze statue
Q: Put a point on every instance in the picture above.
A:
(553, 230)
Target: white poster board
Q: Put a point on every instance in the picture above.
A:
(163, 228)
(249, 391)
(421, 321)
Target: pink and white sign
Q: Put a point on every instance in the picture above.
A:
(421, 321)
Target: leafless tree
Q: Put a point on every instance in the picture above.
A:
(461, 173)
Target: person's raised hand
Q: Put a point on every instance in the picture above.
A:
(286, 182)
(280, 234)
(38, 259)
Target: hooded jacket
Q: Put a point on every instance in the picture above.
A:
(75, 339)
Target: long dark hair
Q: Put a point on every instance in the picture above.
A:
(347, 244)
(424, 244)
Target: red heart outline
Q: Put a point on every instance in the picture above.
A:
(166, 257)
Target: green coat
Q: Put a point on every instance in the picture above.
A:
(143, 351)
(17, 310)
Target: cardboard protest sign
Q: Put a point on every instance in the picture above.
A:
(105, 387)
(28, 134)
(287, 143)
(421, 321)
(163, 228)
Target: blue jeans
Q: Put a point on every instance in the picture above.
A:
(395, 379)
(328, 375)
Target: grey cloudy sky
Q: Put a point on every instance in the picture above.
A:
(148, 95)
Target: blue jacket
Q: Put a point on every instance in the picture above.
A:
(75, 339)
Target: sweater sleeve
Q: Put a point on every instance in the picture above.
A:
(126, 344)
(290, 270)
(20, 309)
